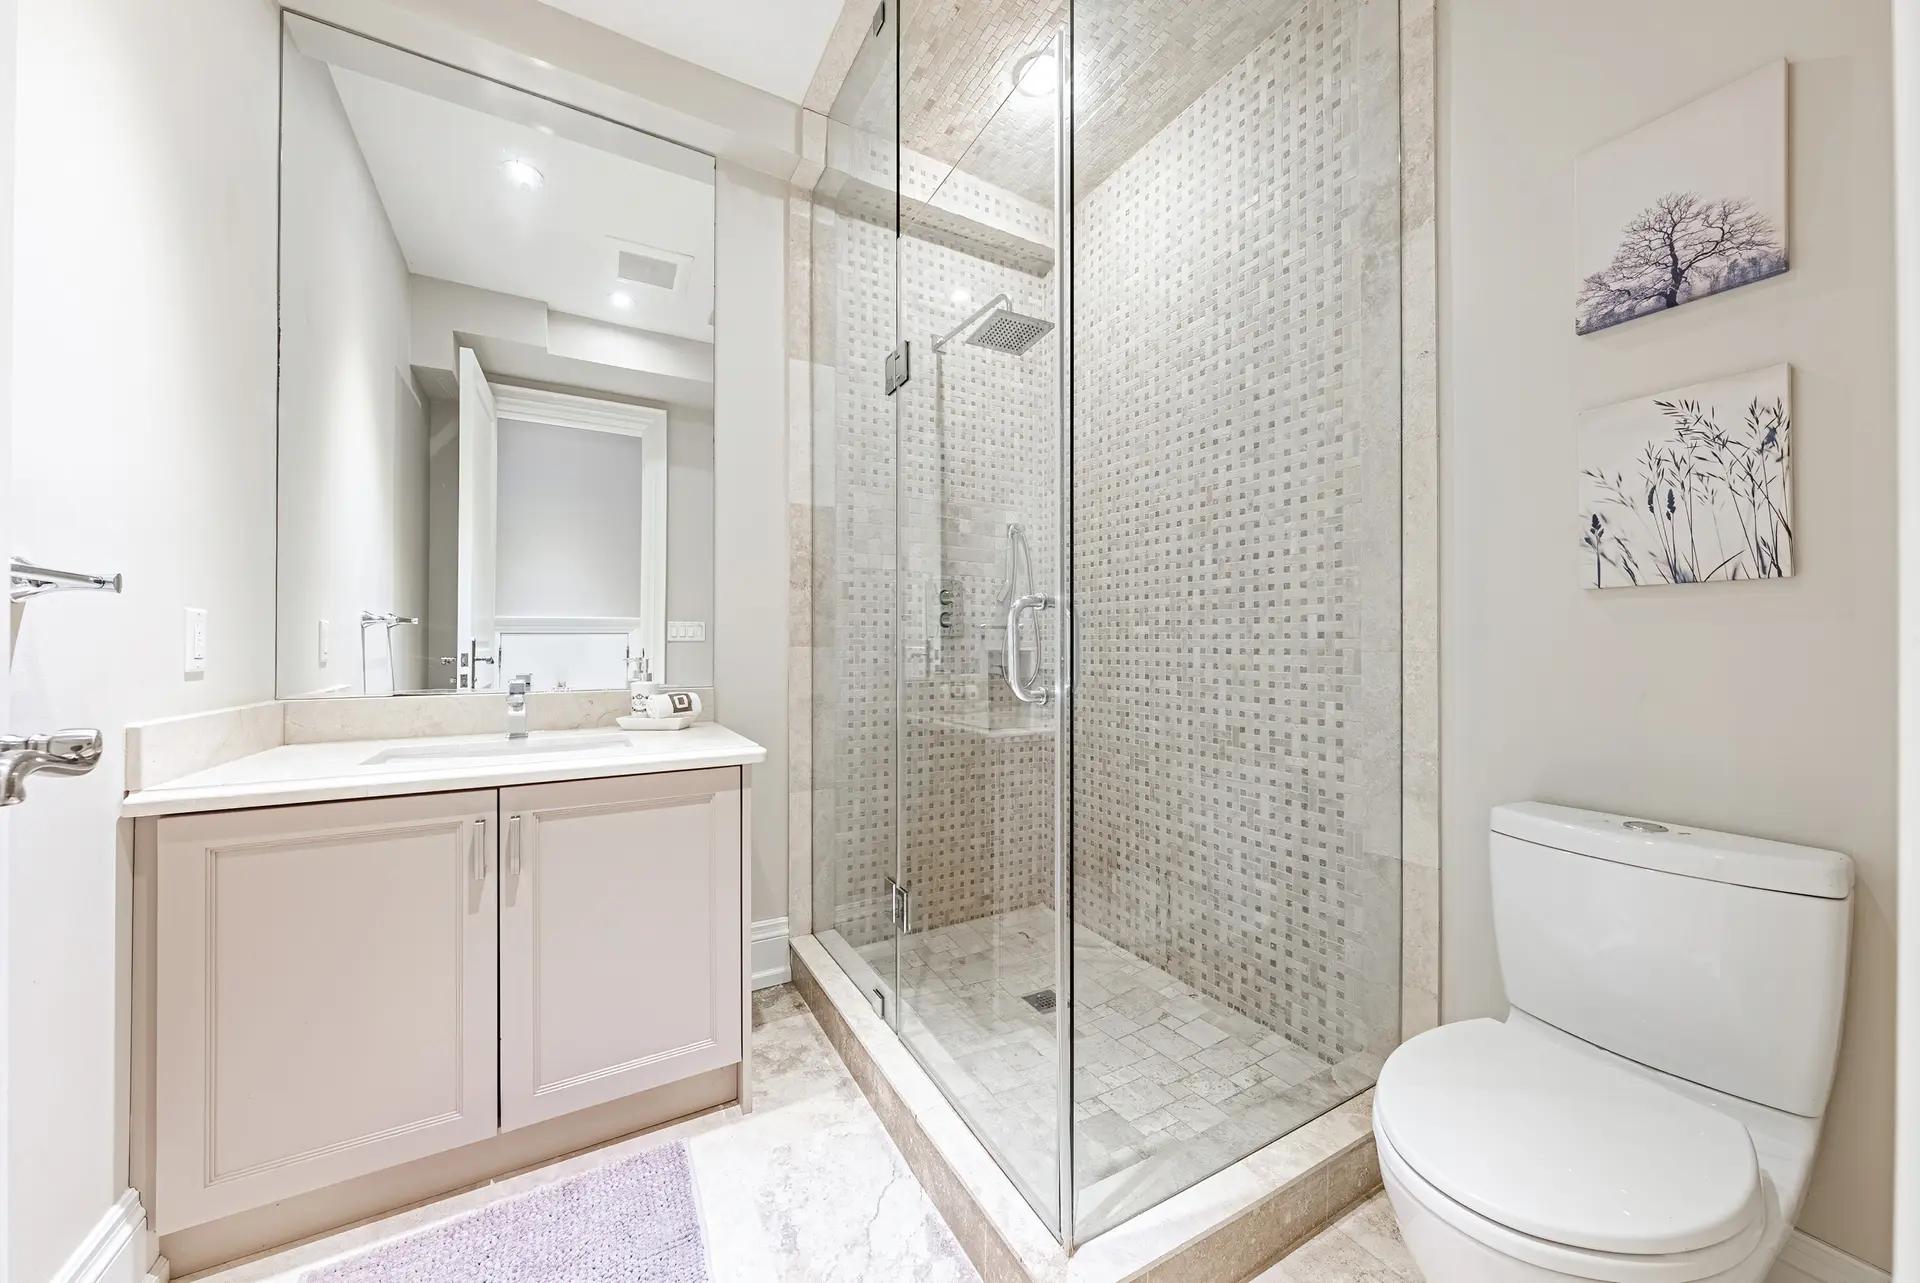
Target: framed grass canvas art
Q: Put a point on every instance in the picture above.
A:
(1690, 205)
(1689, 486)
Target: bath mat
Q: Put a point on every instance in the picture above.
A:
(635, 1221)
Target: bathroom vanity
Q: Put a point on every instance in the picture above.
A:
(368, 971)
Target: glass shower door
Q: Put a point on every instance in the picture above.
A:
(855, 322)
(980, 726)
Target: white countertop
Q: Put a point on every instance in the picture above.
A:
(341, 769)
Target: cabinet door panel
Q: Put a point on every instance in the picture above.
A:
(326, 996)
(620, 962)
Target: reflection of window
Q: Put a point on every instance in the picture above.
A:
(580, 533)
(570, 531)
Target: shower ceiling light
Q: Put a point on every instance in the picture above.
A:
(960, 296)
(523, 175)
(1034, 74)
(620, 299)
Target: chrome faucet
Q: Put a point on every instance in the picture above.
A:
(61, 753)
(517, 706)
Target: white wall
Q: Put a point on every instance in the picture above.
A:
(145, 219)
(1906, 74)
(1760, 708)
(750, 506)
(690, 542)
(353, 424)
(9, 18)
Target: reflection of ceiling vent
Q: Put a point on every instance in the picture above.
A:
(640, 268)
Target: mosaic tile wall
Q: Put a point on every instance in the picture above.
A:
(977, 791)
(1236, 562)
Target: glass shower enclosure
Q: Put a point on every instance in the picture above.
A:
(1106, 496)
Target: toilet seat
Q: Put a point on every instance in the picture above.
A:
(1566, 1158)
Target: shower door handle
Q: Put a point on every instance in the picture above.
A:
(1019, 681)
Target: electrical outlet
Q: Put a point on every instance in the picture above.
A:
(326, 642)
(193, 640)
(690, 630)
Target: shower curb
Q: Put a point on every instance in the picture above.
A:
(1227, 1227)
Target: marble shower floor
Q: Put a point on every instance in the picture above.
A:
(808, 1188)
(1171, 1085)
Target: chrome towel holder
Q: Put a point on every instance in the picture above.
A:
(30, 580)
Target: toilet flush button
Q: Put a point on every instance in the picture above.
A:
(1645, 826)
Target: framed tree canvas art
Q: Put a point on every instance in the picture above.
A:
(1687, 206)
(1690, 486)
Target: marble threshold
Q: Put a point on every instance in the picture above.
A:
(1230, 1225)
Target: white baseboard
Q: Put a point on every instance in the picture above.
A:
(1808, 1260)
(114, 1250)
(770, 966)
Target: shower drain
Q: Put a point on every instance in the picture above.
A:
(1040, 1000)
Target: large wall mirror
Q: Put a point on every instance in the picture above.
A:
(496, 385)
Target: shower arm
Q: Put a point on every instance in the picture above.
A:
(998, 300)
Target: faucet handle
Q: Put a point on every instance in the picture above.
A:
(521, 684)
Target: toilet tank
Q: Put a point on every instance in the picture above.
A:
(1713, 957)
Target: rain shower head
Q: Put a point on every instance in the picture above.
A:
(998, 328)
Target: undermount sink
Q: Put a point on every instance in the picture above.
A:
(495, 748)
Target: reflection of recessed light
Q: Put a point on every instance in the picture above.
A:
(961, 296)
(620, 298)
(523, 175)
(1033, 75)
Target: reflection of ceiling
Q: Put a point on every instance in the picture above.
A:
(527, 363)
(770, 44)
(1138, 64)
(437, 166)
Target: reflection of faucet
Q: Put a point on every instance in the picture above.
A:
(517, 706)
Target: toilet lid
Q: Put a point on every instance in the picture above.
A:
(1563, 1145)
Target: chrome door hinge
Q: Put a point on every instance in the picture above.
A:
(899, 907)
(899, 367)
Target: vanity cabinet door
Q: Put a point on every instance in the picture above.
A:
(325, 995)
(620, 938)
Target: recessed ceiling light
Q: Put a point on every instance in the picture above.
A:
(1034, 74)
(961, 296)
(620, 299)
(523, 175)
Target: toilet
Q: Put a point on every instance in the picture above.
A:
(1649, 1108)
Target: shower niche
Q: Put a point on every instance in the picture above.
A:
(1106, 702)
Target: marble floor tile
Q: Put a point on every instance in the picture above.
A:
(1364, 1246)
(806, 1187)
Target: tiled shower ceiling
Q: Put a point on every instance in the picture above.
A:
(1139, 63)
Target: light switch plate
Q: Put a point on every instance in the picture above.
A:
(326, 642)
(193, 640)
(691, 630)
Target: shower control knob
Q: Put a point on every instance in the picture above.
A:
(946, 619)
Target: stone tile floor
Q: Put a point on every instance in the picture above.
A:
(1364, 1246)
(808, 1188)
(1171, 1085)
